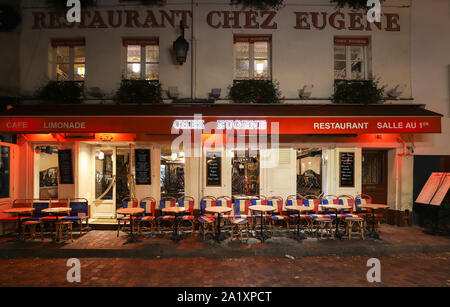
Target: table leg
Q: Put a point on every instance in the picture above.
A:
(218, 228)
(373, 233)
(19, 231)
(337, 234)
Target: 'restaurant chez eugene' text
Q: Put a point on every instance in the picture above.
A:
(225, 19)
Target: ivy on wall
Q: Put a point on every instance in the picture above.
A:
(259, 4)
(353, 4)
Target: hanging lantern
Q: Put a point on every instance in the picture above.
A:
(181, 47)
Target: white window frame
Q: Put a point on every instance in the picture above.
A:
(348, 61)
(71, 63)
(252, 61)
(142, 63)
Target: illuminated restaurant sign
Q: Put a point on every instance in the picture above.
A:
(165, 124)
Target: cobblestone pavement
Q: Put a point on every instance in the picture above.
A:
(397, 270)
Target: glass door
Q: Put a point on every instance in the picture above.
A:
(104, 187)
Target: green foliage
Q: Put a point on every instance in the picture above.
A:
(62, 4)
(254, 91)
(357, 92)
(259, 4)
(62, 92)
(139, 91)
(353, 4)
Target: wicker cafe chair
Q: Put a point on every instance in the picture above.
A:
(313, 201)
(257, 201)
(127, 202)
(362, 199)
(148, 221)
(166, 222)
(226, 201)
(79, 213)
(206, 220)
(188, 203)
(242, 220)
(351, 219)
(296, 200)
(277, 215)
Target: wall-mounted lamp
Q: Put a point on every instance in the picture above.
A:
(181, 47)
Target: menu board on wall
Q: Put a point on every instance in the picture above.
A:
(347, 169)
(142, 166)
(213, 169)
(65, 166)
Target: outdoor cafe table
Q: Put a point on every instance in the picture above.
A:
(20, 212)
(262, 209)
(219, 211)
(337, 234)
(299, 209)
(373, 233)
(56, 211)
(176, 211)
(130, 212)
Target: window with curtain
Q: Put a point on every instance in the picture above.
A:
(351, 58)
(69, 59)
(142, 58)
(252, 57)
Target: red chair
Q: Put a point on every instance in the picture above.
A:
(206, 220)
(149, 218)
(277, 215)
(226, 201)
(188, 203)
(167, 219)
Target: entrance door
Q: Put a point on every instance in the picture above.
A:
(245, 178)
(123, 183)
(105, 169)
(374, 175)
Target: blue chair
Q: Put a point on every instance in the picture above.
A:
(79, 213)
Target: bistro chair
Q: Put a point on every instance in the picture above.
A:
(313, 201)
(64, 230)
(31, 226)
(149, 219)
(188, 203)
(57, 203)
(351, 219)
(242, 220)
(17, 203)
(277, 215)
(127, 202)
(324, 226)
(206, 220)
(226, 201)
(362, 199)
(296, 200)
(258, 201)
(354, 226)
(166, 222)
(79, 213)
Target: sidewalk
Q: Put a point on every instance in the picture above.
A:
(106, 244)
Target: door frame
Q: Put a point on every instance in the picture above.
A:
(111, 202)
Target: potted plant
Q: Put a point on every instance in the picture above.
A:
(353, 4)
(254, 91)
(62, 5)
(61, 92)
(259, 4)
(139, 91)
(357, 92)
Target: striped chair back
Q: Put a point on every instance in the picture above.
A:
(347, 200)
(276, 202)
(206, 202)
(313, 203)
(149, 205)
(241, 206)
(294, 202)
(130, 203)
(167, 203)
(188, 203)
(39, 206)
(258, 202)
(362, 199)
(79, 206)
(224, 201)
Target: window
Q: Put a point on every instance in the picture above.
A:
(252, 57)
(351, 58)
(4, 171)
(69, 59)
(142, 58)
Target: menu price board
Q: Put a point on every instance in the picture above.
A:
(213, 169)
(65, 166)
(142, 166)
(347, 169)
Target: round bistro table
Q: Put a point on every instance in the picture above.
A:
(373, 233)
(131, 212)
(337, 234)
(299, 237)
(20, 213)
(219, 211)
(57, 211)
(176, 211)
(262, 209)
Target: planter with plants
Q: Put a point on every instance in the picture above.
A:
(357, 92)
(139, 91)
(352, 4)
(61, 92)
(259, 4)
(254, 91)
(62, 5)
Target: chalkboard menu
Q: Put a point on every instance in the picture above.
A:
(142, 166)
(65, 166)
(213, 169)
(347, 169)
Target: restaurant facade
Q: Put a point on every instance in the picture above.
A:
(197, 141)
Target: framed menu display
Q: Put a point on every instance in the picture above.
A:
(347, 169)
(142, 166)
(213, 169)
(65, 166)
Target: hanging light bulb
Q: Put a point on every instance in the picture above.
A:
(101, 155)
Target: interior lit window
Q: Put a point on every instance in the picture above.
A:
(70, 62)
(351, 60)
(142, 61)
(252, 57)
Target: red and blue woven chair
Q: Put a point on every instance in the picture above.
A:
(362, 199)
(352, 220)
(166, 221)
(127, 202)
(277, 216)
(242, 220)
(149, 218)
(257, 201)
(313, 202)
(188, 203)
(226, 201)
(297, 200)
(79, 213)
(206, 220)
(18, 203)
